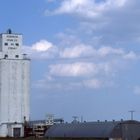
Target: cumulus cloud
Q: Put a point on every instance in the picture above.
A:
(87, 51)
(77, 51)
(91, 54)
(89, 65)
(42, 49)
(73, 69)
(41, 46)
(87, 8)
(104, 51)
(114, 20)
(131, 56)
(91, 71)
(85, 68)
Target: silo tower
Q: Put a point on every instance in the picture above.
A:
(14, 85)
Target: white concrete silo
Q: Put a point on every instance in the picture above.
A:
(14, 85)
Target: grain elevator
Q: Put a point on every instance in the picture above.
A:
(14, 85)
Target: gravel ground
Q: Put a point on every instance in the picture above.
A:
(31, 138)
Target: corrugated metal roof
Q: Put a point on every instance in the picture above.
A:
(77, 130)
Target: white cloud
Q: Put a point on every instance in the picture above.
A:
(92, 74)
(78, 59)
(74, 69)
(115, 20)
(87, 8)
(87, 51)
(77, 51)
(131, 56)
(92, 66)
(115, 3)
(41, 46)
(84, 69)
(104, 51)
(42, 49)
(47, 50)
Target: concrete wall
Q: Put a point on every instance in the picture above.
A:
(14, 84)
(11, 45)
(3, 130)
(14, 91)
(11, 129)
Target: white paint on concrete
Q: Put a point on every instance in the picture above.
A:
(14, 85)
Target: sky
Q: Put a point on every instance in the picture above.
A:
(85, 56)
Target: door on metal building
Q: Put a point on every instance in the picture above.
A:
(16, 132)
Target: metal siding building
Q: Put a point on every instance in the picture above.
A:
(14, 86)
(123, 130)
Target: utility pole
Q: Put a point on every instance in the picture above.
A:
(131, 113)
(75, 118)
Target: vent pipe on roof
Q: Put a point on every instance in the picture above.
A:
(9, 31)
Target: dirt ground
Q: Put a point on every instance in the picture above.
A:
(30, 138)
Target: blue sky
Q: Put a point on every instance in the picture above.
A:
(85, 56)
